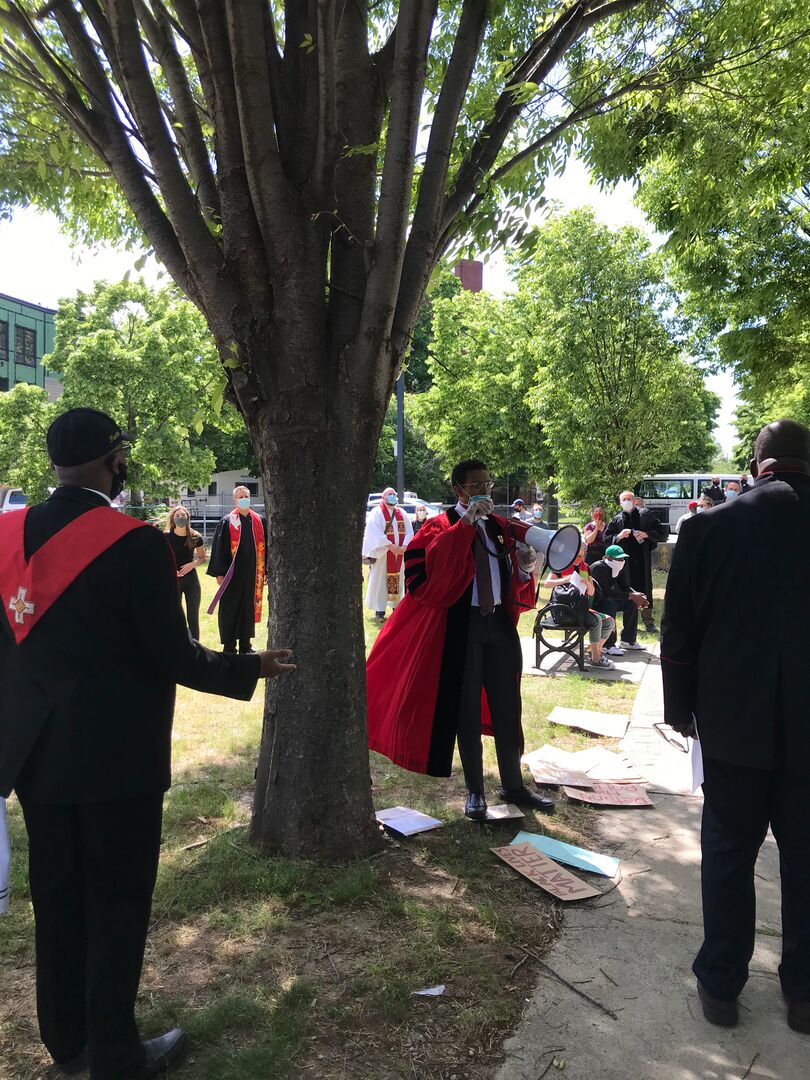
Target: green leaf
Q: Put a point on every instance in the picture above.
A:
(198, 421)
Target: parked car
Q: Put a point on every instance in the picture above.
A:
(12, 499)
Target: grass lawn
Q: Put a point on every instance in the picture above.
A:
(284, 969)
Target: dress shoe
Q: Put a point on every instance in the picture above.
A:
(75, 1065)
(722, 1013)
(163, 1054)
(529, 800)
(476, 808)
(798, 1016)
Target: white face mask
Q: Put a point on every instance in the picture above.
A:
(627, 505)
(615, 566)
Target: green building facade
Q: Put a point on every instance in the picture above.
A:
(26, 335)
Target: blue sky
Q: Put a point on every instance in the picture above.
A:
(39, 265)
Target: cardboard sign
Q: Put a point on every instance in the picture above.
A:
(542, 871)
(406, 821)
(611, 795)
(607, 865)
(598, 723)
(504, 812)
(547, 771)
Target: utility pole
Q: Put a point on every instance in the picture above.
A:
(401, 436)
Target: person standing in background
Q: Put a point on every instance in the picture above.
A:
(594, 534)
(188, 549)
(238, 554)
(715, 492)
(638, 532)
(419, 517)
(388, 531)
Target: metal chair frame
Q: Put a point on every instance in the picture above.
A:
(573, 641)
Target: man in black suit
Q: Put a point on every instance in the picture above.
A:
(734, 564)
(92, 645)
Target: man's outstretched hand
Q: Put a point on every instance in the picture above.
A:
(271, 665)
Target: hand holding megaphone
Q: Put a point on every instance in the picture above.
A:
(559, 548)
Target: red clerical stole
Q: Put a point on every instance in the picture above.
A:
(393, 562)
(28, 588)
(235, 523)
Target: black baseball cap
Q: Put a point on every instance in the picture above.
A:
(82, 435)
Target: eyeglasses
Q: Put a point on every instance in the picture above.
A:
(483, 485)
(665, 735)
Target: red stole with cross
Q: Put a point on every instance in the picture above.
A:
(235, 523)
(29, 587)
(394, 562)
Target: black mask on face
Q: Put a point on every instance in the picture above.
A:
(119, 480)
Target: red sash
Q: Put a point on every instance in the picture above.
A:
(394, 562)
(235, 522)
(28, 589)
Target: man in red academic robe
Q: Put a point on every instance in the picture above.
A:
(448, 662)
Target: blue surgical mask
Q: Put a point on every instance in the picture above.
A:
(537, 513)
(391, 500)
(243, 504)
(732, 494)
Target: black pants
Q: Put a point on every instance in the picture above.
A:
(245, 646)
(493, 662)
(190, 589)
(92, 869)
(608, 606)
(739, 805)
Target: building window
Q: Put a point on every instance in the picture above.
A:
(212, 488)
(3, 340)
(251, 485)
(3, 383)
(25, 346)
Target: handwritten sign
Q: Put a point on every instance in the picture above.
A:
(611, 795)
(546, 770)
(542, 871)
(504, 812)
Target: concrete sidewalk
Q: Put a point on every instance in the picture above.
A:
(632, 951)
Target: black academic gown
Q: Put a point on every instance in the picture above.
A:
(235, 611)
(640, 560)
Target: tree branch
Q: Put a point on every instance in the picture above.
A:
(410, 63)
(201, 249)
(159, 34)
(268, 186)
(326, 141)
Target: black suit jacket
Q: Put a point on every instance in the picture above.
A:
(738, 577)
(87, 699)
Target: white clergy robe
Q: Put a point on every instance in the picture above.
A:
(376, 545)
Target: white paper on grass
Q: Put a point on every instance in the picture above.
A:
(612, 725)
(406, 821)
(429, 991)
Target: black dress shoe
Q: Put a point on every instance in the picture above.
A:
(529, 800)
(476, 808)
(722, 1013)
(163, 1053)
(75, 1065)
(798, 1016)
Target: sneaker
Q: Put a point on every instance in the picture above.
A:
(614, 650)
(633, 646)
(602, 662)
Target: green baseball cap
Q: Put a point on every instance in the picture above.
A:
(616, 552)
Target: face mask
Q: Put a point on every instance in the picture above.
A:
(181, 520)
(598, 516)
(391, 500)
(615, 566)
(119, 479)
(627, 505)
(732, 494)
(243, 504)
(537, 513)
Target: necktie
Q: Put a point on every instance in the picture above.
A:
(483, 574)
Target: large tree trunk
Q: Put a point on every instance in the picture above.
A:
(313, 790)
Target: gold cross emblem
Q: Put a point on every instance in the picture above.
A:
(20, 606)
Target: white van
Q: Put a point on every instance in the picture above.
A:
(12, 499)
(669, 494)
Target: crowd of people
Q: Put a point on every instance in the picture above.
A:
(444, 670)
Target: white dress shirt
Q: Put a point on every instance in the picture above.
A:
(494, 562)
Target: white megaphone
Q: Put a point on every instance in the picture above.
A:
(559, 548)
